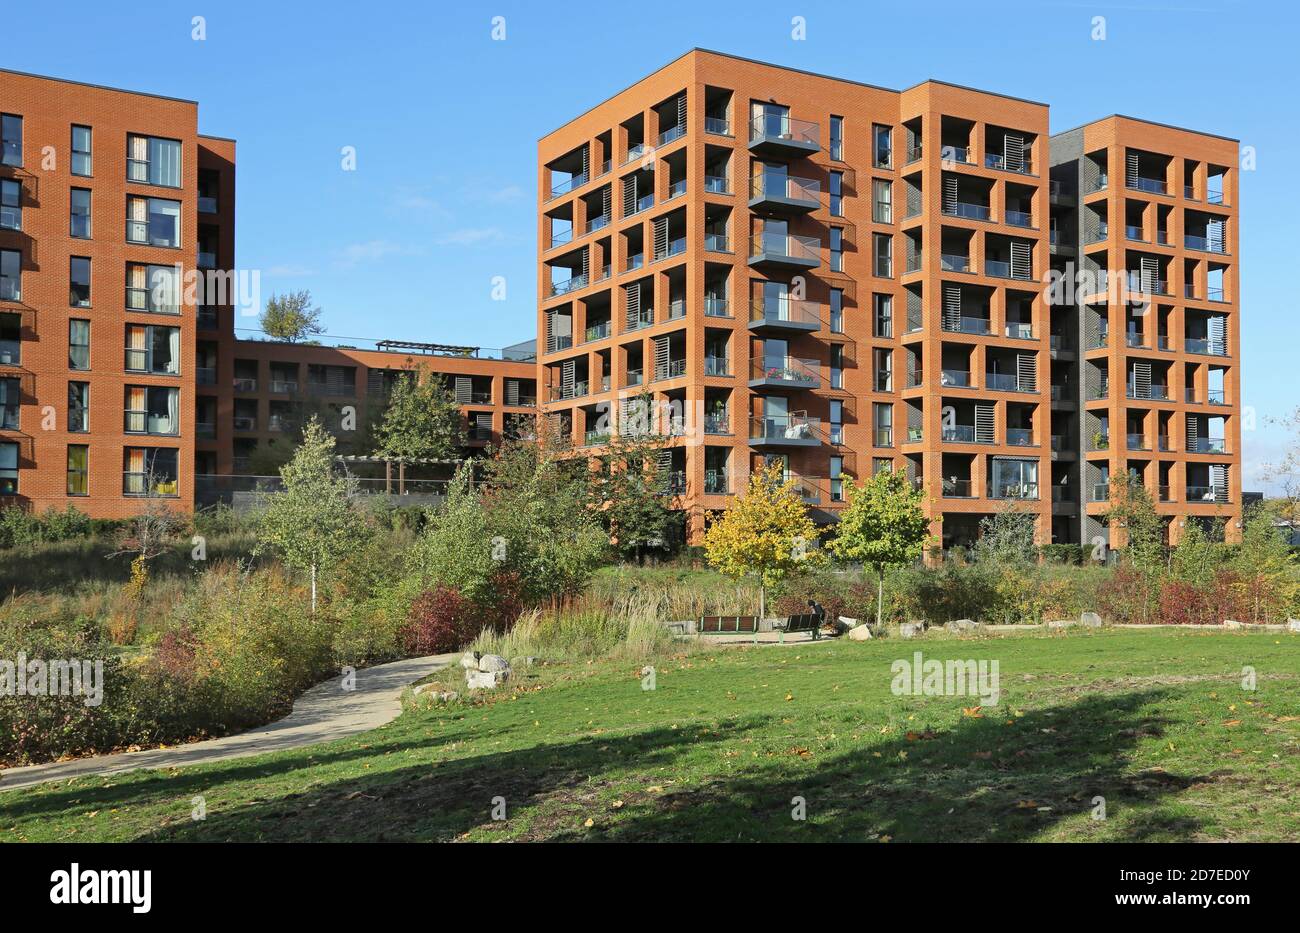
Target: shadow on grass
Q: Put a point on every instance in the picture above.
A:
(981, 780)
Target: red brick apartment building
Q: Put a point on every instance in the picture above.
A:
(838, 277)
(844, 278)
(117, 379)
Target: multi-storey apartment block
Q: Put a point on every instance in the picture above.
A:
(120, 373)
(1148, 215)
(843, 278)
(832, 276)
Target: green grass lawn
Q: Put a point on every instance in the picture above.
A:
(1157, 723)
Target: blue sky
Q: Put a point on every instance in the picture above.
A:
(445, 122)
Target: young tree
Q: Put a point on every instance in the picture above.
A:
(882, 526)
(1133, 510)
(1264, 562)
(422, 421)
(292, 317)
(312, 523)
(627, 487)
(1007, 536)
(1196, 557)
(767, 533)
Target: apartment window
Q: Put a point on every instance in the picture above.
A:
(152, 410)
(11, 333)
(883, 255)
(11, 205)
(837, 366)
(882, 465)
(153, 288)
(882, 146)
(81, 150)
(154, 161)
(882, 314)
(837, 249)
(8, 468)
(155, 221)
(882, 201)
(11, 139)
(837, 194)
(884, 421)
(836, 420)
(78, 344)
(79, 282)
(78, 470)
(884, 360)
(837, 310)
(78, 407)
(150, 471)
(79, 211)
(11, 397)
(153, 349)
(11, 287)
(837, 139)
(837, 484)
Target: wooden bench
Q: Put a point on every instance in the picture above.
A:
(804, 622)
(729, 625)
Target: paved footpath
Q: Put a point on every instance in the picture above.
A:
(322, 714)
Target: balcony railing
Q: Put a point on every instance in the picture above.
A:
(1153, 392)
(718, 126)
(598, 331)
(968, 211)
(717, 423)
(775, 429)
(954, 488)
(787, 371)
(1020, 330)
(999, 162)
(716, 307)
(1147, 287)
(959, 433)
(717, 243)
(1155, 185)
(1204, 347)
(569, 184)
(955, 378)
(1020, 437)
(672, 248)
(951, 262)
(594, 438)
(1136, 442)
(717, 184)
(1019, 218)
(284, 386)
(1207, 493)
(245, 423)
(571, 284)
(1005, 382)
(786, 246)
(1014, 491)
(245, 384)
(1204, 244)
(717, 366)
(786, 187)
(670, 369)
(1000, 269)
(1208, 445)
(599, 222)
(772, 128)
(968, 325)
(1100, 492)
(671, 134)
(716, 483)
(785, 310)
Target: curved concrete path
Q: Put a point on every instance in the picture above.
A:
(322, 714)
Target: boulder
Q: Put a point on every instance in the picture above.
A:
(432, 691)
(483, 680)
(1060, 624)
(493, 662)
(961, 626)
(528, 661)
(423, 689)
(1089, 620)
(469, 661)
(911, 629)
(1293, 625)
(846, 623)
(1231, 623)
(860, 633)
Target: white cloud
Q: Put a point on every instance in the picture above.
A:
(291, 271)
(371, 251)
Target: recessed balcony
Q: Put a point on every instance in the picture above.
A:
(784, 194)
(784, 137)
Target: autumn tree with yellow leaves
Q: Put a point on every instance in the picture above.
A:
(766, 533)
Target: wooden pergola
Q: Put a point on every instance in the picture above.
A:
(401, 462)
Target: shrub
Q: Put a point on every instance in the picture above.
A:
(1129, 596)
(440, 620)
